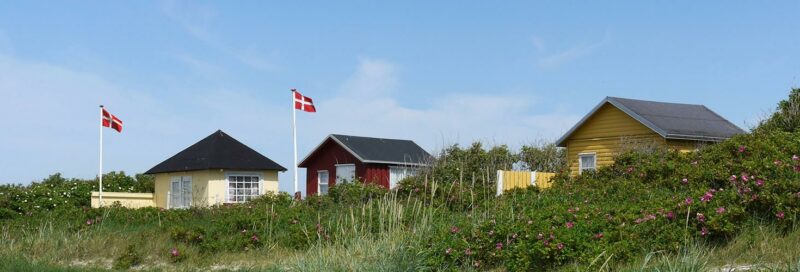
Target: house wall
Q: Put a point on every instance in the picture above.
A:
(328, 155)
(606, 133)
(209, 187)
(610, 131)
(375, 173)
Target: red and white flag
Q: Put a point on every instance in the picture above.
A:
(109, 120)
(303, 103)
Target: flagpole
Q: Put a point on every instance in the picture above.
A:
(294, 136)
(101, 158)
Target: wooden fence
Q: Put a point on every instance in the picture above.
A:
(507, 180)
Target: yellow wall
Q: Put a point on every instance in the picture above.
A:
(606, 133)
(522, 179)
(129, 200)
(208, 186)
(610, 131)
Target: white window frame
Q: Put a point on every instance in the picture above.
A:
(238, 174)
(407, 171)
(580, 161)
(319, 181)
(343, 181)
(185, 202)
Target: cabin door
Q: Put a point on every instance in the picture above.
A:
(181, 192)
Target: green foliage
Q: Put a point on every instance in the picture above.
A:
(356, 193)
(130, 257)
(786, 117)
(59, 194)
(544, 158)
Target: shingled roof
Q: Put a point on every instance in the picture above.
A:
(670, 120)
(217, 151)
(379, 150)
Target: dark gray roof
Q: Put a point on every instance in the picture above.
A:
(670, 120)
(379, 150)
(217, 151)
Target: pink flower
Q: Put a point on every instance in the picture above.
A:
(703, 231)
(670, 215)
(701, 217)
(448, 251)
(570, 224)
(733, 178)
(795, 158)
(175, 252)
(720, 210)
(688, 201)
(89, 222)
(598, 236)
(742, 149)
(499, 246)
(706, 197)
(540, 236)
(630, 169)
(560, 246)
(744, 178)
(254, 238)
(468, 252)
(760, 182)
(780, 215)
(685, 181)
(454, 230)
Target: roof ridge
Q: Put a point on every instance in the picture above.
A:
(367, 137)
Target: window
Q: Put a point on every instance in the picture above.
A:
(345, 173)
(587, 162)
(398, 173)
(180, 194)
(322, 182)
(243, 187)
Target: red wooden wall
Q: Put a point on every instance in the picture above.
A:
(328, 155)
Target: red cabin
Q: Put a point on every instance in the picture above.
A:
(342, 159)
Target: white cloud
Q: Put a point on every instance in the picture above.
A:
(572, 54)
(197, 19)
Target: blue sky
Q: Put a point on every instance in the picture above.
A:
(435, 72)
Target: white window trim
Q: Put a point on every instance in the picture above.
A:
(327, 182)
(336, 166)
(580, 162)
(228, 184)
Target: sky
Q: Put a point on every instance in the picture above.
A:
(436, 72)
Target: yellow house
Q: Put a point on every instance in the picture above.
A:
(216, 170)
(618, 124)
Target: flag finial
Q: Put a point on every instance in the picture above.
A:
(101, 106)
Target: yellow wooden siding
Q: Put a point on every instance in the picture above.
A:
(544, 179)
(607, 133)
(685, 145)
(522, 179)
(516, 179)
(209, 186)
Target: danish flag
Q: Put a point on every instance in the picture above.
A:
(303, 103)
(109, 120)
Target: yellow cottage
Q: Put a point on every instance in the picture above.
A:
(618, 124)
(216, 170)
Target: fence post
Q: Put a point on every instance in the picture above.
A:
(499, 182)
(533, 178)
(169, 199)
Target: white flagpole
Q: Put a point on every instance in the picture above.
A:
(294, 136)
(101, 157)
